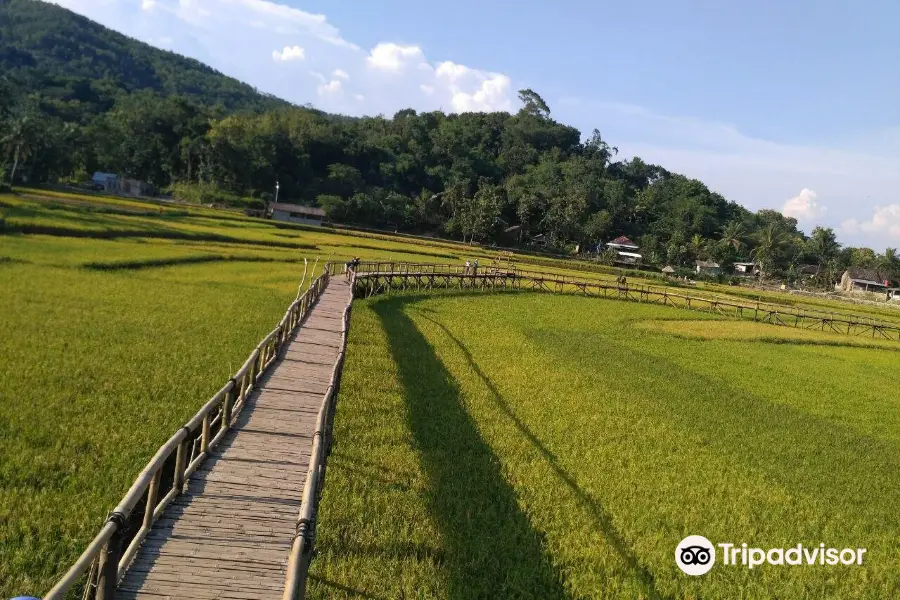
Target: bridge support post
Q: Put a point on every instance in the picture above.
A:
(108, 571)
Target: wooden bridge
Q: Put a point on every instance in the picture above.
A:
(226, 508)
(381, 277)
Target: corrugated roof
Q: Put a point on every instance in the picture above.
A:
(708, 264)
(623, 241)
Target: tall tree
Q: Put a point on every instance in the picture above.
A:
(533, 104)
(22, 134)
(823, 245)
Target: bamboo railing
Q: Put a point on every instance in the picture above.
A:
(109, 554)
(379, 277)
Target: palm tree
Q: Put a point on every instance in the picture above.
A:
(770, 244)
(889, 262)
(823, 244)
(19, 138)
(697, 244)
(733, 235)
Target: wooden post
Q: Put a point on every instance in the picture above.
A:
(226, 409)
(204, 435)
(152, 497)
(109, 566)
(180, 460)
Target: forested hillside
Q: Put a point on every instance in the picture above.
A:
(80, 67)
(77, 98)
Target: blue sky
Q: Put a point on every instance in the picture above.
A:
(787, 105)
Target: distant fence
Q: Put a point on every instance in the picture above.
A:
(109, 554)
(379, 277)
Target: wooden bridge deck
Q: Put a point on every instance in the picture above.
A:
(229, 534)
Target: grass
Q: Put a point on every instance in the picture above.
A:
(460, 473)
(538, 446)
(101, 369)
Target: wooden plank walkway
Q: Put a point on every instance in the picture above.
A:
(228, 536)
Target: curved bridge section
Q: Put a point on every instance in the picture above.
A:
(377, 278)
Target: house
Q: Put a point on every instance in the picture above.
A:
(626, 251)
(858, 279)
(108, 181)
(668, 271)
(297, 213)
(746, 269)
(113, 184)
(708, 267)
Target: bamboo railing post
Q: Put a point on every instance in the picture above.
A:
(180, 464)
(108, 571)
(204, 435)
(226, 408)
(152, 497)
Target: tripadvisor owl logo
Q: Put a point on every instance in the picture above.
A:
(695, 555)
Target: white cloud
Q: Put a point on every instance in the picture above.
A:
(803, 206)
(451, 71)
(331, 88)
(388, 56)
(359, 97)
(340, 74)
(885, 221)
(289, 53)
(148, 4)
(493, 94)
(426, 89)
(287, 18)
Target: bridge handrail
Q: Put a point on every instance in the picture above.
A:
(109, 554)
(396, 268)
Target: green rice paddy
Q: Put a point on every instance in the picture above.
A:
(486, 445)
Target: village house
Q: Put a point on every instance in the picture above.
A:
(108, 182)
(858, 279)
(113, 184)
(746, 269)
(708, 267)
(297, 213)
(626, 251)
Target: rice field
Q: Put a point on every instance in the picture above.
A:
(537, 446)
(511, 445)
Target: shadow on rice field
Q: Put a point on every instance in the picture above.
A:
(492, 446)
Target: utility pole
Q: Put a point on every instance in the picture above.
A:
(277, 187)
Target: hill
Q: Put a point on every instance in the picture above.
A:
(76, 97)
(79, 66)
